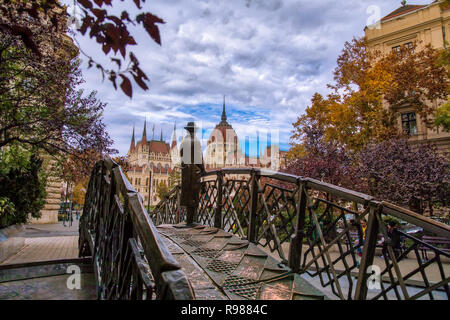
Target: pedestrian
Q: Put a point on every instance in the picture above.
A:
(394, 239)
(360, 244)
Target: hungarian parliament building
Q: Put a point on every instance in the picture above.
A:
(151, 162)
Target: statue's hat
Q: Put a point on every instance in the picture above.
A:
(191, 126)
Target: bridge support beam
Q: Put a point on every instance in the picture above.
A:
(218, 209)
(368, 253)
(252, 231)
(295, 248)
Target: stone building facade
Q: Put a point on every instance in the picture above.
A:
(223, 150)
(422, 25)
(152, 161)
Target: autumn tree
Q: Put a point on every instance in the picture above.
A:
(41, 110)
(404, 173)
(175, 176)
(442, 118)
(366, 83)
(40, 105)
(79, 193)
(99, 21)
(322, 160)
(161, 190)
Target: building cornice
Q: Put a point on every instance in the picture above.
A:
(417, 27)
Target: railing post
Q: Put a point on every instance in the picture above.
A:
(167, 220)
(368, 253)
(218, 210)
(178, 207)
(296, 245)
(252, 228)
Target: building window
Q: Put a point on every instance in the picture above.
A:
(410, 47)
(396, 48)
(409, 124)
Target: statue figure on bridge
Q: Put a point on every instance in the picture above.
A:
(191, 169)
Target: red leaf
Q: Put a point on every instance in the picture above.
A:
(126, 85)
(124, 16)
(137, 2)
(140, 82)
(85, 3)
(149, 22)
(100, 14)
(106, 47)
(116, 61)
(116, 20)
(112, 78)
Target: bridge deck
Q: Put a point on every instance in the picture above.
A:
(222, 266)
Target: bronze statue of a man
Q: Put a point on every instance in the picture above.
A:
(191, 169)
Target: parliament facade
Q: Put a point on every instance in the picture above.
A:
(151, 162)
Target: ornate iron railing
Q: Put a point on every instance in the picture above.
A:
(130, 259)
(317, 229)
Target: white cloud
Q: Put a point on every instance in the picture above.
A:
(267, 57)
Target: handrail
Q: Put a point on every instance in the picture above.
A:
(389, 208)
(300, 211)
(117, 231)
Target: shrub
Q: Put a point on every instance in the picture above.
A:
(7, 212)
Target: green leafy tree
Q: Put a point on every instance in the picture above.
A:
(22, 183)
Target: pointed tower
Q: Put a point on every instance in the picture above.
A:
(133, 143)
(224, 114)
(144, 133)
(174, 136)
(161, 139)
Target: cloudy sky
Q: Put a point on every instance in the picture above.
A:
(267, 57)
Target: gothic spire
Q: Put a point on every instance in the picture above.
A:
(174, 136)
(133, 144)
(144, 133)
(224, 114)
(161, 136)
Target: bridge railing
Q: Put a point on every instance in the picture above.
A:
(322, 230)
(130, 259)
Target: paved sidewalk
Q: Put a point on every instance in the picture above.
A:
(45, 249)
(50, 230)
(45, 242)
